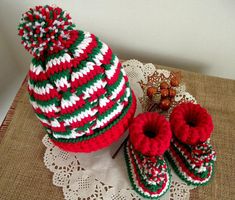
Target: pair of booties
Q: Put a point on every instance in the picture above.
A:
(184, 141)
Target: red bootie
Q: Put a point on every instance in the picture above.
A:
(191, 154)
(148, 171)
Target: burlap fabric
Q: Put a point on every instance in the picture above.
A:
(23, 174)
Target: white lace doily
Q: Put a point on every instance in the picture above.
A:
(98, 176)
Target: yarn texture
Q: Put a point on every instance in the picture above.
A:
(191, 154)
(149, 138)
(157, 126)
(46, 28)
(191, 123)
(149, 176)
(77, 85)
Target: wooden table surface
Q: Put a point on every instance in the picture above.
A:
(23, 174)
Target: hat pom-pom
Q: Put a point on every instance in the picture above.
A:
(46, 30)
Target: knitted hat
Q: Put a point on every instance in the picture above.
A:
(190, 153)
(77, 85)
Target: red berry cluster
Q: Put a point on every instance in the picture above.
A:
(165, 94)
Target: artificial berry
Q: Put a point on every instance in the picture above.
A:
(164, 93)
(172, 92)
(164, 85)
(151, 91)
(165, 104)
(174, 82)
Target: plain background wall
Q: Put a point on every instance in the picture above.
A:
(189, 34)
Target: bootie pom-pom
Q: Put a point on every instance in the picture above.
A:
(191, 123)
(46, 30)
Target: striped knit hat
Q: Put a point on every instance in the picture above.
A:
(77, 86)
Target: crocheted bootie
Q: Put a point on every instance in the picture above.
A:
(148, 171)
(190, 152)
